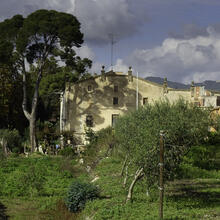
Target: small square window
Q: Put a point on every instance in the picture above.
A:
(115, 88)
(89, 121)
(89, 88)
(145, 101)
(115, 100)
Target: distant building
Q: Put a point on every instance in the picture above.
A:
(97, 102)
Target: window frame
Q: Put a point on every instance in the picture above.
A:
(89, 121)
(115, 101)
(145, 100)
(89, 88)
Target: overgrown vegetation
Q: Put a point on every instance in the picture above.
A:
(100, 144)
(52, 185)
(138, 136)
(10, 141)
(41, 181)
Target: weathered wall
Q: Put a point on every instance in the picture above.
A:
(210, 101)
(174, 95)
(79, 102)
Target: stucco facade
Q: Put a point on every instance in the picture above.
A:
(98, 101)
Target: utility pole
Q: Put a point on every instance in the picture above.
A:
(62, 113)
(111, 36)
(161, 165)
(137, 91)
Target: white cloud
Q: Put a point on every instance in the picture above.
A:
(101, 17)
(85, 52)
(180, 59)
(120, 66)
(202, 76)
(96, 67)
(98, 18)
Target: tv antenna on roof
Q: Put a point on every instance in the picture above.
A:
(113, 41)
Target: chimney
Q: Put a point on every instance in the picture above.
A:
(130, 77)
(165, 89)
(103, 77)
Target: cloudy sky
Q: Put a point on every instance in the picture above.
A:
(176, 39)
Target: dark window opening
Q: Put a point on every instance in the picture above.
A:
(114, 119)
(145, 101)
(115, 100)
(89, 121)
(115, 88)
(89, 88)
(218, 101)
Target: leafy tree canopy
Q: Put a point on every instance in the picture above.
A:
(138, 132)
(32, 42)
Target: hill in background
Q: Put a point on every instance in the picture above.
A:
(209, 84)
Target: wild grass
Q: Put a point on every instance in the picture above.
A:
(45, 180)
(195, 198)
(34, 187)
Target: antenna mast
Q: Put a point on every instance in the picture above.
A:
(111, 36)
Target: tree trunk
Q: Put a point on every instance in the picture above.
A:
(126, 175)
(4, 147)
(124, 164)
(33, 141)
(31, 116)
(136, 177)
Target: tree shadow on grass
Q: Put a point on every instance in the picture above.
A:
(195, 194)
(3, 215)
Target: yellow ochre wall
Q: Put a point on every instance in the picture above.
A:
(79, 102)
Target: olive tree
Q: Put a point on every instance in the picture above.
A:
(34, 40)
(138, 133)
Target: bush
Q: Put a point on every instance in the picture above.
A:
(12, 139)
(139, 133)
(101, 144)
(202, 156)
(67, 152)
(26, 181)
(78, 194)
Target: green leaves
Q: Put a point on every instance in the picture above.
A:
(78, 194)
(31, 43)
(39, 35)
(138, 133)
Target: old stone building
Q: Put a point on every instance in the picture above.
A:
(97, 102)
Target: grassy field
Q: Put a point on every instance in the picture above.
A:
(35, 187)
(197, 198)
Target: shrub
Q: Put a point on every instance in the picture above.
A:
(138, 135)
(101, 144)
(2, 155)
(78, 194)
(67, 152)
(12, 140)
(202, 156)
